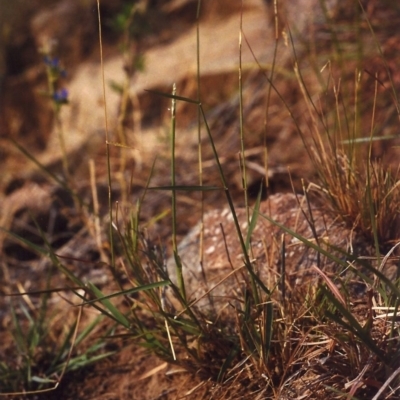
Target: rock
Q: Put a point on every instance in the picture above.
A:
(222, 251)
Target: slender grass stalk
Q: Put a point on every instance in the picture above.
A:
(173, 175)
(199, 145)
(110, 202)
(369, 189)
(179, 274)
(269, 90)
(241, 128)
(132, 63)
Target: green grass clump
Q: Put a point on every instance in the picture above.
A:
(319, 341)
(45, 339)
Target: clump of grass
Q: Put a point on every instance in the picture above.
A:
(45, 339)
(322, 340)
(315, 341)
(362, 191)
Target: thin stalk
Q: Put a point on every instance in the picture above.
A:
(269, 91)
(370, 196)
(107, 141)
(128, 59)
(181, 282)
(199, 148)
(241, 132)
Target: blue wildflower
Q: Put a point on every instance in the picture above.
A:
(52, 62)
(61, 96)
(47, 60)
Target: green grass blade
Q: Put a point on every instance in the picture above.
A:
(352, 325)
(227, 363)
(186, 188)
(127, 291)
(253, 219)
(173, 96)
(111, 309)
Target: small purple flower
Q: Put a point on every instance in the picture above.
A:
(47, 60)
(52, 62)
(61, 96)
